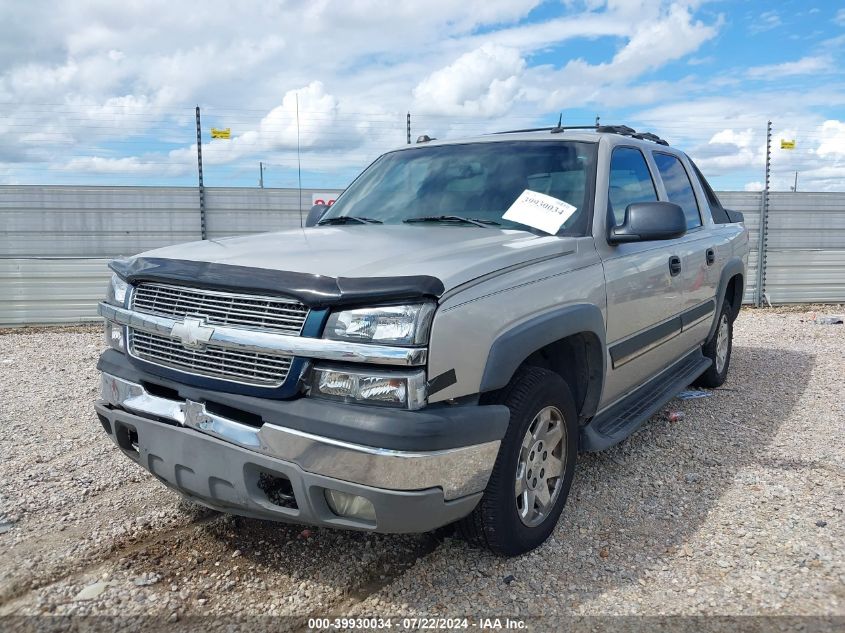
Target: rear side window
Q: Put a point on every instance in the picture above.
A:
(678, 186)
(630, 181)
(716, 208)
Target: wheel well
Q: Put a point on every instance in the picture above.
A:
(578, 360)
(733, 294)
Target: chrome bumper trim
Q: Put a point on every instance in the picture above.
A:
(272, 343)
(458, 471)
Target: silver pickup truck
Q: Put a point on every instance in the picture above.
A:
(435, 347)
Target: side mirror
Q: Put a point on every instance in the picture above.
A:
(315, 214)
(646, 221)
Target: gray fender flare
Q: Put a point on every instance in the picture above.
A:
(734, 266)
(513, 346)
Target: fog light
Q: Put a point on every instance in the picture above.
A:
(114, 336)
(344, 504)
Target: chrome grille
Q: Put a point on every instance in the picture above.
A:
(273, 314)
(213, 361)
(249, 312)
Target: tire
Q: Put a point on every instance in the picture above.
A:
(508, 523)
(723, 335)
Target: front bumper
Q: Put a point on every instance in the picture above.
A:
(228, 478)
(221, 463)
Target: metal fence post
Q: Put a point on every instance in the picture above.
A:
(199, 171)
(764, 224)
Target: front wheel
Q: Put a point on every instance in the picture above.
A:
(534, 469)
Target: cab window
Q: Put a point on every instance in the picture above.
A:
(678, 187)
(630, 181)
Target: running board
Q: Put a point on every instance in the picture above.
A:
(619, 421)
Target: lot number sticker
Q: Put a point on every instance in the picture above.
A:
(540, 211)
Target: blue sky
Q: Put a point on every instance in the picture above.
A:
(94, 92)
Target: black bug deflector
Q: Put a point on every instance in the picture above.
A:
(315, 291)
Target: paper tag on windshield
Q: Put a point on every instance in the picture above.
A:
(540, 211)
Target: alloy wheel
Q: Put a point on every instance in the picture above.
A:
(539, 471)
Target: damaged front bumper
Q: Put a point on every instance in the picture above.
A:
(266, 470)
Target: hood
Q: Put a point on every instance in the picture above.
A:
(453, 255)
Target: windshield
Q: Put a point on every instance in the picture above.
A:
(473, 181)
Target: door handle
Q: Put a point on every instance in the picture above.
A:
(674, 265)
(711, 256)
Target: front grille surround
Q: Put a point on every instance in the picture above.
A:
(242, 311)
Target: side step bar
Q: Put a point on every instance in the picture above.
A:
(619, 421)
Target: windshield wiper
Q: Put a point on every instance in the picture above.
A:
(453, 218)
(346, 219)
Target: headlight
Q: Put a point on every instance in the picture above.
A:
(397, 325)
(387, 388)
(116, 296)
(116, 292)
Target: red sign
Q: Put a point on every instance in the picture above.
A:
(323, 198)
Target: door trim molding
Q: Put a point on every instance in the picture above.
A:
(627, 350)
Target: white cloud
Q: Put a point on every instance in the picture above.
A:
(701, 61)
(125, 165)
(755, 185)
(833, 139)
(327, 135)
(483, 82)
(839, 18)
(810, 65)
(652, 43)
(126, 77)
(730, 149)
(766, 21)
(99, 78)
(537, 35)
(34, 81)
(311, 110)
(658, 42)
(742, 138)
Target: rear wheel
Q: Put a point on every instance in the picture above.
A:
(534, 469)
(718, 349)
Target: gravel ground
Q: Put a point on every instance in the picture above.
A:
(735, 509)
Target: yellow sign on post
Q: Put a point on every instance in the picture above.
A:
(784, 144)
(221, 132)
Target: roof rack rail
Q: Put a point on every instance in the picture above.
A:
(616, 129)
(624, 130)
(554, 129)
(648, 136)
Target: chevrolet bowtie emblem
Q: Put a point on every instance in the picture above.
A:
(193, 333)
